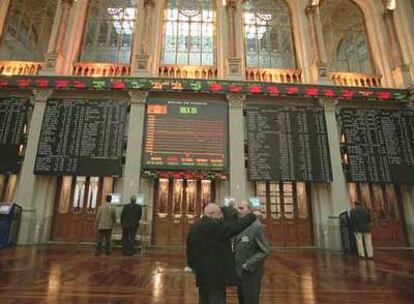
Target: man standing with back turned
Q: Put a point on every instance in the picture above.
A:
(361, 222)
(130, 216)
(104, 221)
(251, 248)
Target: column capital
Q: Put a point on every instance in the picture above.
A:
(312, 7)
(236, 100)
(67, 2)
(231, 4)
(149, 3)
(41, 95)
(329, 103)
(138, 96)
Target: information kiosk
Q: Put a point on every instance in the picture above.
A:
(9, 223)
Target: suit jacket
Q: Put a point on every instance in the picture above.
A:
(209, 251)
(361, 219)
(251, 247)
(130, 216)
(106, 217)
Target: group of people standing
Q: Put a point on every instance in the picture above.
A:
(227, 247)
(105, 219)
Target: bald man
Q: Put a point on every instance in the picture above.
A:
(209, 253)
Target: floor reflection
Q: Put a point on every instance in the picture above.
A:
(72, 274)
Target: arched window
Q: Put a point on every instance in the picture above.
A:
(268, 34)
(27, 29)
(345, 37)
(189, 33)
(108, 31)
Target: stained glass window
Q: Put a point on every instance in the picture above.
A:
(345, 37)
(27, 29)
(268, 34)
(189, 33)
(108, 31)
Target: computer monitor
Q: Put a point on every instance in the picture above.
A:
(5, 208)
(255, 201)
(229, 201)
(140, 199)
(116, 198)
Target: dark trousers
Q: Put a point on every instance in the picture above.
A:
(128, 239)
(248, 290)
(103, 241)
(212, 296)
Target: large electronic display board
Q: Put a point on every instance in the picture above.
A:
(13, 119)
(82, 137)
(287, 143)
(379, 145)
(186, 135)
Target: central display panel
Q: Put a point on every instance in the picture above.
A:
(186, 134)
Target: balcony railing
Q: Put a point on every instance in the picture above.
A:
(177, 71)
(273, 75)
(101, 69)
(356, 79)
(20, 68)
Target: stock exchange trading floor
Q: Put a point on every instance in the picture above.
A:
(72, 274)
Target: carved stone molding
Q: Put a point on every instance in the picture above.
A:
(68, 2)
(236, 100)
(138, 96)
(149, 3)
(329, 103)
(233, 66)
(41, 95)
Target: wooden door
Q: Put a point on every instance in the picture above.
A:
(385, 203)
(286, 211)
(7, 187)
(77, 201)
(178, 203)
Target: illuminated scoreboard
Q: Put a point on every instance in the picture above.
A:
(182, 135)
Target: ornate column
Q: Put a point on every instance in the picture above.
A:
(130, 183)
(400, 72)
(141, 59)
(4, 5)
(54, 58)
(338, 190)
(25, 193)
(319, 57)
(238, 176)
(233, 58)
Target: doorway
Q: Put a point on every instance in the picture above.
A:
(178, 203)
(285, 207)
(77, 202)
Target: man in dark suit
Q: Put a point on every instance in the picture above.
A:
(361, 223)
(209, 253)
(251, 248)
(130, 217)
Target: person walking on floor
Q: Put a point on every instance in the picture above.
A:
(209, 253)
(361, 223)
(251, 248)
(105, 219)
(130, 216)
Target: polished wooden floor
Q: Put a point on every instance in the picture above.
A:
(72, 274)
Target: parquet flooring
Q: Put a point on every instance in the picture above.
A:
(72, 274)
